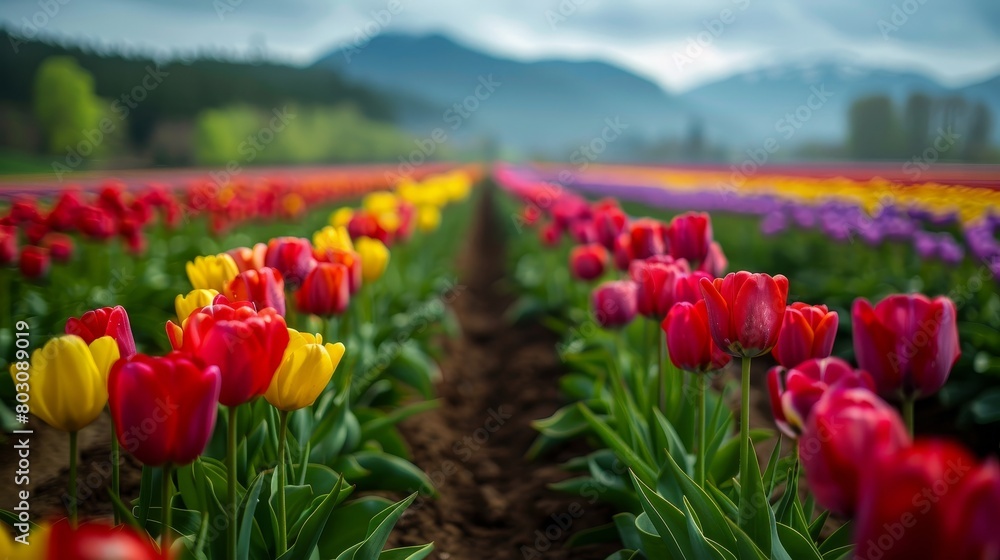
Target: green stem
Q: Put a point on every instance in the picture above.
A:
(661, 382)
(282, 522)
(744, 431)
(231, 535)
(72, 479)
(115, 468)
(908, 405)
(166, 488)
(700, 428)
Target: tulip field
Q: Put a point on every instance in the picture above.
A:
(508, 361)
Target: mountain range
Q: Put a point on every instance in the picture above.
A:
(551, 107)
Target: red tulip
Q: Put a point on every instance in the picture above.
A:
(613, 303)
(807, 332)
(588, 262)
(973, 524)
(350, 259)
(690, 236)
(622, 251)
(105, 321)
(365, 224)
(583, 232)
(34, 233)
(35, 262)
(24, 211)
(689, 341)
(60, 246)
(247, 345)
(248, 258)
(681, 286)
(609, 222)
(264, 288)
(745, 311)
(8, 244)
(649, 278)
(62, 217)
(325, 291)
(164, 408)
(908, 343)
(846, 432)
(98, 541)
(95, 223)
(530, 214)
(292, 256)
(794, 392)
(646, 238)
(550, 234)
(910, 498)
(715, 263)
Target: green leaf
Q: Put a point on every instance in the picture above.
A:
(348, 525)
(798, 546)
(713, 520)
(594, 535)
(625, 523)
(312, 529)
(725, 463)
(395, 417)
(612, 440)
(568, 422)
(408, 553)
(247, 508)
(652, 544)
(378, 531)
(668, 521)
(388, 472)
(755, 510)
(843, 536)
(700, 544)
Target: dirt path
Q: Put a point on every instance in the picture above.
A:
(497, 379)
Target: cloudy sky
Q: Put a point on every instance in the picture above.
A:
(677, 43)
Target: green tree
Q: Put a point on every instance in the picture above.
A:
(977, 143)
(873, 128)
(66, 105)
(917, 122)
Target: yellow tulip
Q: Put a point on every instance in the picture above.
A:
(341, 217)
(195, 299)
(213, 272)
(306, 369)
(36, 549)
(69, 387)
(332, 238)
(389, 221)
(374, 258)
(380, 202)
(428, 218)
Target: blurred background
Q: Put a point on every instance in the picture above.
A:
(114, 84)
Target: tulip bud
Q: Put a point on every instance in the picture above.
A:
(60, 246)
(325, 291)
(213, 272)
(613, 303)
(909, 500)
(106, 321)
(609, 222)
(794, 392)
(264, 288)
(587, 262)
(194, 300)
(247, 258)
(245, 344)
(292, 257)
(689, 341)
(97, 541)
(745, 311)
(171, 400)
(908, 342)
(847, 430)
(305, 370)
(69, 380)
(35, 262)
(374, 258)
(646, 238)
(807, 332)
(690, 236)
